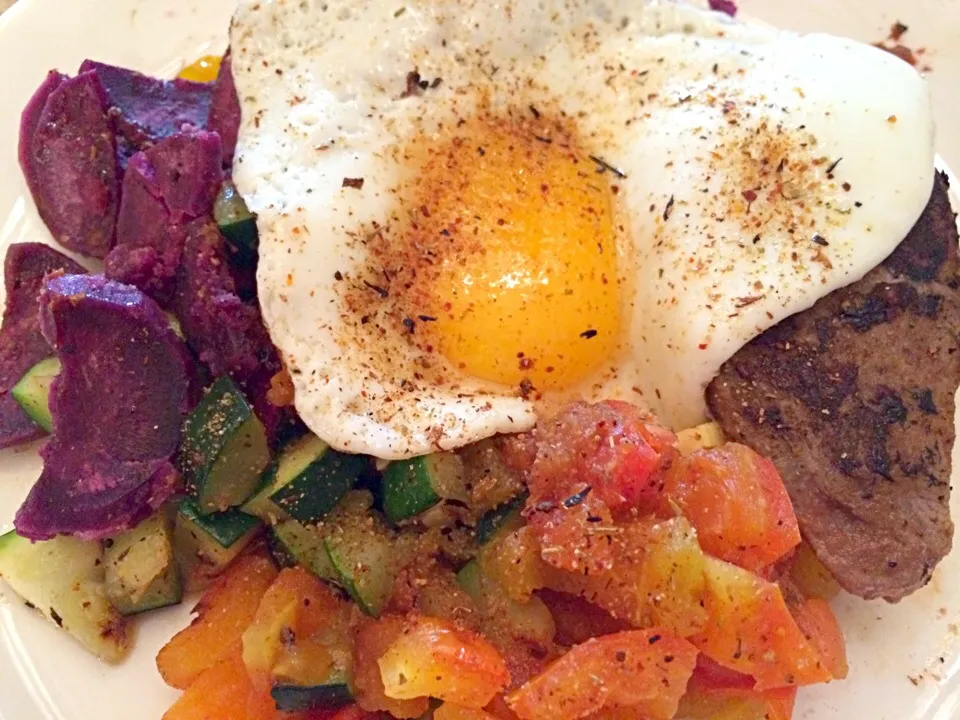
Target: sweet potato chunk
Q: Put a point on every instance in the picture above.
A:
(224, 612)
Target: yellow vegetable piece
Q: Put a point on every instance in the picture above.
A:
(205, 69)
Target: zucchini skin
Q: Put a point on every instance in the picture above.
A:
(502, 517)
(32, 392)
(297, 698)
(224, 449)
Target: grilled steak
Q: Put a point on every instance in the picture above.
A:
(853, 400)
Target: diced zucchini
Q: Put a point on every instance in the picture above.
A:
(297, 698)
(141, 571)
(507, 518)
(224, 448)
(205, 545)
(306, 482)
(237, 224)
(361, 551)
(489, 480)
(411, 486)
(303, 545)
(32, 391)
(63, 579)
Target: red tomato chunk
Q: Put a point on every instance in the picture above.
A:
(645, 670)
(736, 500)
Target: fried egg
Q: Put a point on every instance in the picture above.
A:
(470, 209)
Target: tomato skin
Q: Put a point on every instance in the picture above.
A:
(435, 658)
(592, 461)
(738, 503)
(610, 447)
(819, 625)
(713, 676)
(751, 631)
(646, 670)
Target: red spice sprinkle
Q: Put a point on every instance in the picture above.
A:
(355, 183)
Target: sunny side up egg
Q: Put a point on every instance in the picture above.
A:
(467, 209)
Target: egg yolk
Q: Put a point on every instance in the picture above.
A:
(521, 281)
(203, 70)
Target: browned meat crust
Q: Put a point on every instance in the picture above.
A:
(853, 400)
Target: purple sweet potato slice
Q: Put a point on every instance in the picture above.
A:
(165, 187)
(117, 405)
(146, 110)
(29, 120)
(226, 333)
(21, 344)
(68, 156)
(725, 6)
(225, 110)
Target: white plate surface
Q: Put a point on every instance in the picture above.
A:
(904, 659)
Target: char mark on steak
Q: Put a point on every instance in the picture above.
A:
(853, 400)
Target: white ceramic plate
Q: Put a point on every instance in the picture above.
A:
(904, 659)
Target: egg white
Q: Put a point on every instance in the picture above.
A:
(695, 110)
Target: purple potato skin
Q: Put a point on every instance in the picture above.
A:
(21, 343)
(226, 333)
(145, 110)
(225, 110)
(68, 155)
(165, 187)
(118, 406)
(29, 120)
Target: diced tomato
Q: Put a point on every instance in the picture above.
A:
(434, 658)
(578, 620)
(518, 451)
(450, 711)
(225, 692)
(372, 638)
(715, 693)
(737, 704)
(610, 447)
(657, 580)
(592, 461)
(350, 712)
(577, 538)
(646, 670)
(713, 676)
(298, 621)
(499, 709)
(820, 627)
(223, 613)
(736, 500)
(750, 630)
